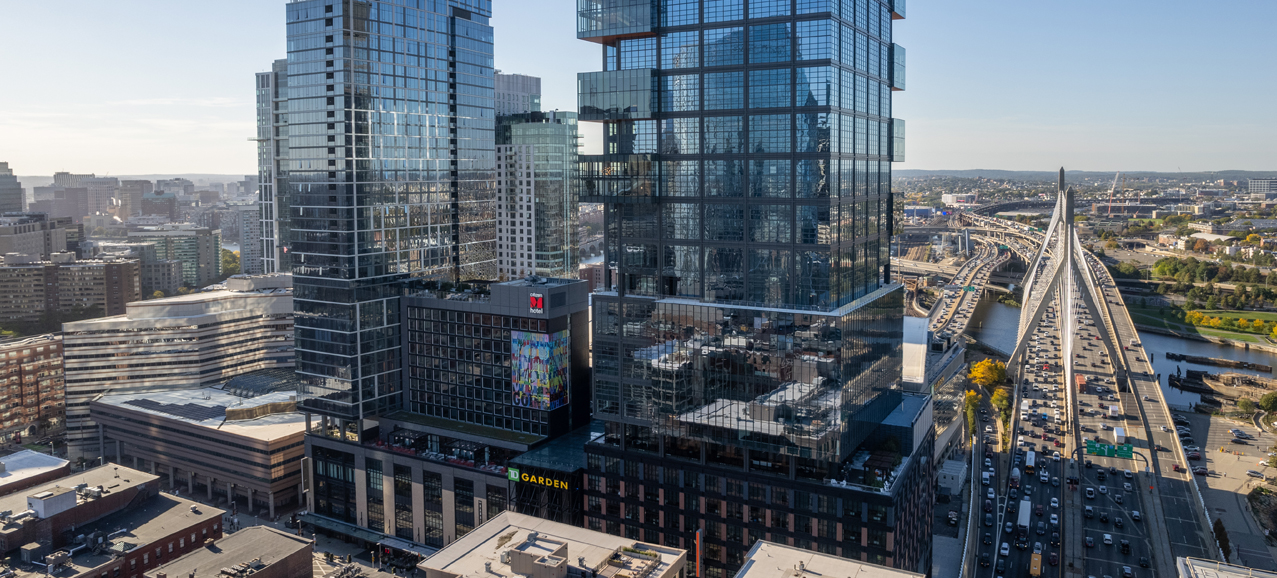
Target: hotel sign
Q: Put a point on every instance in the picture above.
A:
(515, 475)
(536, 303)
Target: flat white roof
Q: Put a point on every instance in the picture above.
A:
(207, 407)
(772, 560)
(26, 464)
(1199, 568)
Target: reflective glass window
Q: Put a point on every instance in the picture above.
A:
(812, 179)
(816, 86)
(724, 222)
(815, 6)
(681, 221)
(724, 135)
(682, 179)
(724, 273)
(814, 132)
(724, 179)
(724, 10)
(725, 46)
(814, 40)
(769, 178)
(679, 12)
(638, 53)
(770, 224)
(813, 224)
(767, 8)
(769, 276)
(681, 93)
(769, 133)
(680, 136)
(681, 50)
(681, 268)
(770, 43)
(769, 88)
(724, 90)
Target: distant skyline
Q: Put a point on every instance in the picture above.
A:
(141, 86)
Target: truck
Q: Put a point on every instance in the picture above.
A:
(1035, 566)
(1022, 527)
(1114, 412)
(1119, 435)
(1015, 477)
(1081, 383)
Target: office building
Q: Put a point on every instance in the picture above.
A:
(248, 225)
(70, 180)
(159, 203)
(32, 392)
(130, 196)
(515, 546)
(34, 234)
(1262, 186)
(175, 186)
(517, 94)
(752, 349)
(241, 441)
(21, 470)
(371, 217)
(489, 376)
(59, 202)
(272, 167)
(198, 248)
(537, 195)
(244, 326)
(12, 195)
(155, 274)
(598, 275)
(102, 190)
(259, 551)
(63, 284)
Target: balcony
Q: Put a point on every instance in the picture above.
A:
(618, 179)
(898, 9)
(615, 95)
(606, 21)
(897, 67)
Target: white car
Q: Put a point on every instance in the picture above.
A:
(1055, 502)
(1005, 550)
(1108, 539)
(988, 429)
(1055, 519)
(989, 494)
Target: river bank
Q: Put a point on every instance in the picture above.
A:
(1142, 328)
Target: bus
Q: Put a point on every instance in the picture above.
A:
(1030, 462)
(1035, 567)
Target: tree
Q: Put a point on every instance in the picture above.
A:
(1269, 401)
(1253, 239)
(972, 402)
(988, 373)
(157, 294)
(1246, 405)
(1002, 400)
(230, 263)
(1221, 537)
(1201, 246)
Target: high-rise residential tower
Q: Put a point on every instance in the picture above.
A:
(517, 93)
(390, 181)
(537, 194)
(12, 199)
(272, 167)
(747, 366)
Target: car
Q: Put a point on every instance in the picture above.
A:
(1194, 456)
(1254, 474)
(1055, 519)
(1037, 547)
(1125, 546)
(988, 538)
(1127, 573)
(1128, 475)
(1200, 471)
(1135, 515)
(1055, 538)
(988, 505)
(1090, 493)
(1014, 494)
(1041, 528)
(1055, 559)
(988, 463)
(1186, 440)
(1160, 448)
(1089, 512)
(1011, 507)
(988, 519)
(1192, 449)
(1108, 539)
(1104, 517)
(989, 494)
(1239, 441)
(1127, 486)
(1055, 481)
(1147, 398)
(1055, 503)
(1037, 510)
(1177, 467)
(984, 559)
(1104, 490)
(988, 429)
(1113, 470)
(1166, 429)
(1088, 464)
(1117, 521)
(1008, 528)
(1090, 542)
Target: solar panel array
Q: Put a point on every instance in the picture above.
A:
(187, 410)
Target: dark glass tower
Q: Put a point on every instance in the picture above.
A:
(750, 352)
(390, 180)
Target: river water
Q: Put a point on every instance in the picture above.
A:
(996, 324)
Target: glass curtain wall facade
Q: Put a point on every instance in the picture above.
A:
(537, 183)
(272, 170)
(390, 180)
(745, 178)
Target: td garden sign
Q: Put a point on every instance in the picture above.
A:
(514, 475)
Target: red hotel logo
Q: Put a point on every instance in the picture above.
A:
(536, 303)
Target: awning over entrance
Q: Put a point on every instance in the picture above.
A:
(407, 546)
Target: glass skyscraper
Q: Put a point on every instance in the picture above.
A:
(390, 181)
(747, 363)
(272, 170)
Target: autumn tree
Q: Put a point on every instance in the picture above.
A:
(1002, 401)
(988, 373)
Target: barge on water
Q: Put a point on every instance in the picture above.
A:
(1219, 362)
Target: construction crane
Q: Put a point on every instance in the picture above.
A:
(1112, 190)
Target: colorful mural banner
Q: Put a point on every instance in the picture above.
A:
(541, 369)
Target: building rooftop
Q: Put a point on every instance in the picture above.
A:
(772, 560)
(26, 464)
(268, 416)
(1212, 237)
(534, 544)
(565, 453)
(1199, 568)
(105, 476)
(254, 546)
(158, 517)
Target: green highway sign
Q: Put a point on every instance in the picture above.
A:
(1124, 451)
(1109, 450)
(969, 288)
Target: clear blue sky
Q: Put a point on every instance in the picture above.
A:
(143, 86)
